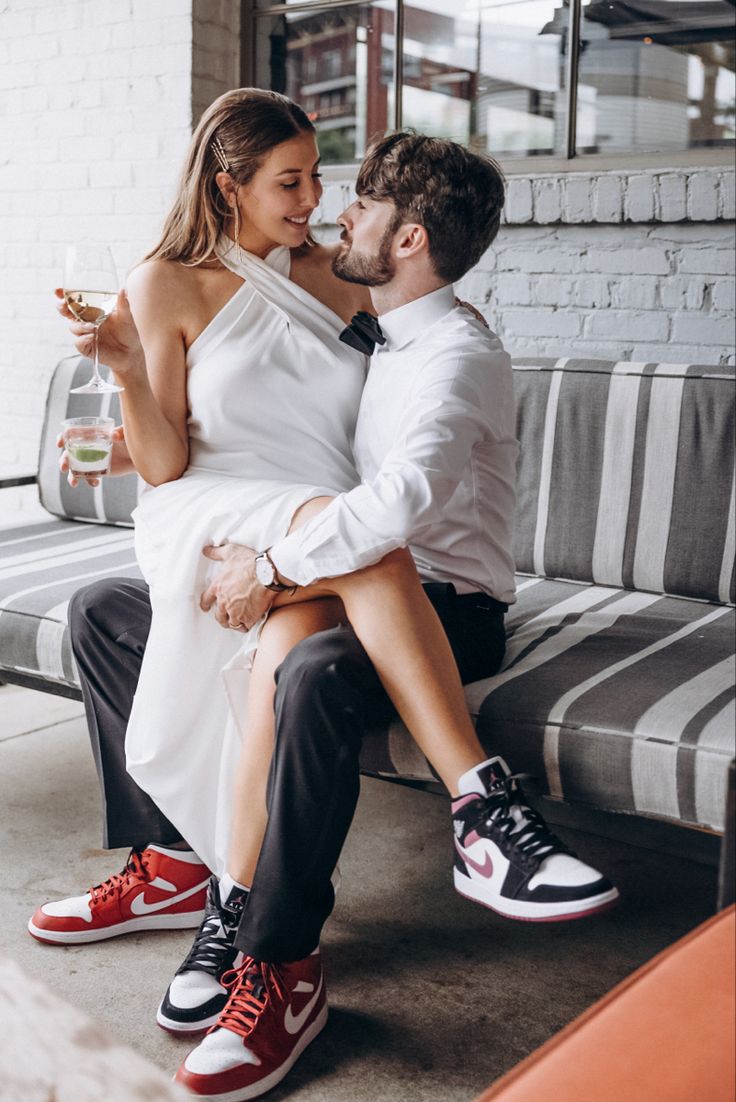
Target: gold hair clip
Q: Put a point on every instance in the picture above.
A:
(219, 153)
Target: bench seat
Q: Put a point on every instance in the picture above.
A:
(618, 700)
(617, 690)
(41, 566)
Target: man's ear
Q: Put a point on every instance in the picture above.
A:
(228, 187)
(411, 240)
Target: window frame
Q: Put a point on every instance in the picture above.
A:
(571, 161)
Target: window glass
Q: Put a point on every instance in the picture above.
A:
(489, 73)
(656, 75)
(653, 75)
(339, 65)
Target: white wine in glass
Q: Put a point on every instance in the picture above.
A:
(90, 292)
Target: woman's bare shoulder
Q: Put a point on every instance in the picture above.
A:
(157, 275)
(166, 287)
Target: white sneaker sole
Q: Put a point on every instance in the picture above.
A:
(184, 1029)
(255, 1090)
(133, 926)
(525, 911)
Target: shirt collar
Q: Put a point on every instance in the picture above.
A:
(405, 323)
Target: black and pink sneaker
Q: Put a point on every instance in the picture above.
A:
(507, 858)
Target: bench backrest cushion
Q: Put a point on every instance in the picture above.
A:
(626, 475)
(626, 472)
(114, 499)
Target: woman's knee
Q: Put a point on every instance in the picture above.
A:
(395, 568)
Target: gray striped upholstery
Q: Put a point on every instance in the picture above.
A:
(41, 566)
(616, 699)
(614, 694)
(627, 475)
(114, 499)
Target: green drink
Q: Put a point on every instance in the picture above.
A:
(88, 445)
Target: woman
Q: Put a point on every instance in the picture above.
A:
(242, 426)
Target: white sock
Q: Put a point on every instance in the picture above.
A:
(227, 883)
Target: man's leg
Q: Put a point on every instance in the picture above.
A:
(160, 887)
(110, 621)
(326, 691)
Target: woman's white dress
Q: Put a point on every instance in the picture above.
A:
(273, 399)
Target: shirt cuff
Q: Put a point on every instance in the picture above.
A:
(286, 556)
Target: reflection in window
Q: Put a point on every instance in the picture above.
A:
(338, 65)
(656, 75)
(483, 73)
(651, 74)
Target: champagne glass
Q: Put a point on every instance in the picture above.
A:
(90, 292)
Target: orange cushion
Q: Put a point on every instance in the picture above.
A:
(666, 1034)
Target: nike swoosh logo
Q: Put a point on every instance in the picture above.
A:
(294, 1022)
(486, 869)
(139, 906)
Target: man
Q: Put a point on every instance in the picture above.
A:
(435, 449)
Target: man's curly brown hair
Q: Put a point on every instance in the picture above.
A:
(457, 195)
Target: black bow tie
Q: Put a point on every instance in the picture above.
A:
(363, 333)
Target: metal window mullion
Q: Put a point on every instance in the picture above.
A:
(398, 63)
(306, 5)
(247, 44)
(571, 78)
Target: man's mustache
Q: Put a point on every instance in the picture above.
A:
(345, 238)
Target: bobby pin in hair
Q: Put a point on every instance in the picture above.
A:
(219, 153)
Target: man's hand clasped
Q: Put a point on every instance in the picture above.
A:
(238, 598)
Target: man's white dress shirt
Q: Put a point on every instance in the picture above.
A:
(436, 451)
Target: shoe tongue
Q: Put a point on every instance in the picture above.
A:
(482, 778)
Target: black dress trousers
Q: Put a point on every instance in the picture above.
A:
(109, 622)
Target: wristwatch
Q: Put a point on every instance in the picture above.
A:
(266, 573)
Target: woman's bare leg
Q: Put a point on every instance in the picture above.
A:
(403, 636)
(281, 632)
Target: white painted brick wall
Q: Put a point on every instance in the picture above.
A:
(588, 265)
(95, 102)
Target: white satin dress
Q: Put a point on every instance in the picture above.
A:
(274, 397)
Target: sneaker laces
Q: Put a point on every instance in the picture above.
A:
(519, 826)
(251, 987)
(136, 868)
(214, 940)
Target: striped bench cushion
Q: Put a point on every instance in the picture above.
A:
(114, 499)
(626, 475)
(620, 700)
(41, 566)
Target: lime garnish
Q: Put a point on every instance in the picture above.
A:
(88, 455)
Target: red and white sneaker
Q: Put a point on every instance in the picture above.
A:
(159, 889)
(273, 1013)
(508, 859)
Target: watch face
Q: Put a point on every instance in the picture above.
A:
(264, 571)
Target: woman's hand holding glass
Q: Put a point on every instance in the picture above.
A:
(120, 461)
(118, 342)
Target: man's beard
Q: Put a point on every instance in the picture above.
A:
(370, 271)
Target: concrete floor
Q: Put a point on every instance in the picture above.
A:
(432, 997)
